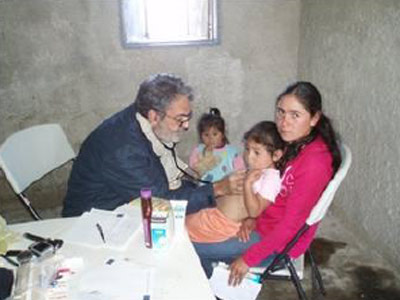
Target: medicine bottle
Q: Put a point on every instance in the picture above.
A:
(147, 208)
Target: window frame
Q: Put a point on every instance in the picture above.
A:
(214, 36)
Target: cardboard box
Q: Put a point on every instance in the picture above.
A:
(162, 224)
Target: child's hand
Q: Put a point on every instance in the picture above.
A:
(206, 163)
(252, 176)
(208, 148)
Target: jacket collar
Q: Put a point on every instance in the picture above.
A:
(174, 175)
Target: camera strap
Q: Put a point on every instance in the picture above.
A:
(56, 243)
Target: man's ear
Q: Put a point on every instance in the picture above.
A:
(153, 117)
(277, 155)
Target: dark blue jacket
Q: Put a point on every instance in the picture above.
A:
(115, 162)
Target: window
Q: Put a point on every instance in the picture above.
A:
(168, 22)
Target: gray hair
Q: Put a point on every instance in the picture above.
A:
(158, 91)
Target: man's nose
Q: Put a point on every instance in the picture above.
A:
(185, 125)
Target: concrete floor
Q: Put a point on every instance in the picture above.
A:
(349, 270)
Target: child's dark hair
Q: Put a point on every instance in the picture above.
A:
(266, 133)
(212, 119)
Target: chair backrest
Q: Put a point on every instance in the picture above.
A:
(29, 154)
(326, 198)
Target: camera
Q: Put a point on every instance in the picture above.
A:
(42, 249)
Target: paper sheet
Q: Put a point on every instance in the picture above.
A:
(118, 228)
(247, 290)
(118, 281)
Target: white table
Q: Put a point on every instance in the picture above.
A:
(178, 273)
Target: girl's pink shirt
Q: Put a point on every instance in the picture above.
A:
(304, 180)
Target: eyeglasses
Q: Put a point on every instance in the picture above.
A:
(180, 120)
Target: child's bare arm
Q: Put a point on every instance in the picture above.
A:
(255, 204)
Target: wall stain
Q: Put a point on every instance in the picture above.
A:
(322, 250)
(375, 283)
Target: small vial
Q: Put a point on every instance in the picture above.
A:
(147, 208)
(23, 289)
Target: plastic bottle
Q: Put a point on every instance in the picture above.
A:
(147, 208)
(23, 288)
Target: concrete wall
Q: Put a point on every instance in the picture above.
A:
(351, 50)
(62, 61)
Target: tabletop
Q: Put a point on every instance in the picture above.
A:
(178, 273)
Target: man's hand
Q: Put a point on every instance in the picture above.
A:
(230, 185)
(247, 226)
(236, 182)
(238, 270)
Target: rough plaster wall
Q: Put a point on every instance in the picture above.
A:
(351, 50)
(61, 61)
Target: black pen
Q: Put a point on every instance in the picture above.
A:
(98, 226)
(11, 261)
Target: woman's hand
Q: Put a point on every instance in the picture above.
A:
(238, 270)
(230, 185)
(248, 225)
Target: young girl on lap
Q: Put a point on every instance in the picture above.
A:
(310, 160)
(263, 149)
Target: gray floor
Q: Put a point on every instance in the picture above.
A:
(349, 270)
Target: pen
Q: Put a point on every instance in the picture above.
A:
(146, 296)
(11, 261)
(98, 226)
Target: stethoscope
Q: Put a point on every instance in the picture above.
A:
(191, 177)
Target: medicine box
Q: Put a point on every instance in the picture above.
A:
(162, 224)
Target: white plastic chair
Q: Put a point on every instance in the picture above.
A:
(29, 154)
(316, 215)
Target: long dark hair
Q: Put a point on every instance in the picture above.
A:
(212, 119)
(309, 96)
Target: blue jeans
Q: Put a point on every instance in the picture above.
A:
(226, 251)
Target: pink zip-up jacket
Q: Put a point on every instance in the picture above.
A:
(304, 180)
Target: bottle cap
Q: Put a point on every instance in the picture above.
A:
(145, 193)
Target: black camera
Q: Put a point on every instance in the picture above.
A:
(42, 249)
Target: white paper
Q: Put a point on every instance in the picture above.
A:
(118, 228)
(247, 290)
(118, 281)
(298, 264)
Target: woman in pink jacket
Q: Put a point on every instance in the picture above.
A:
(311, 159)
